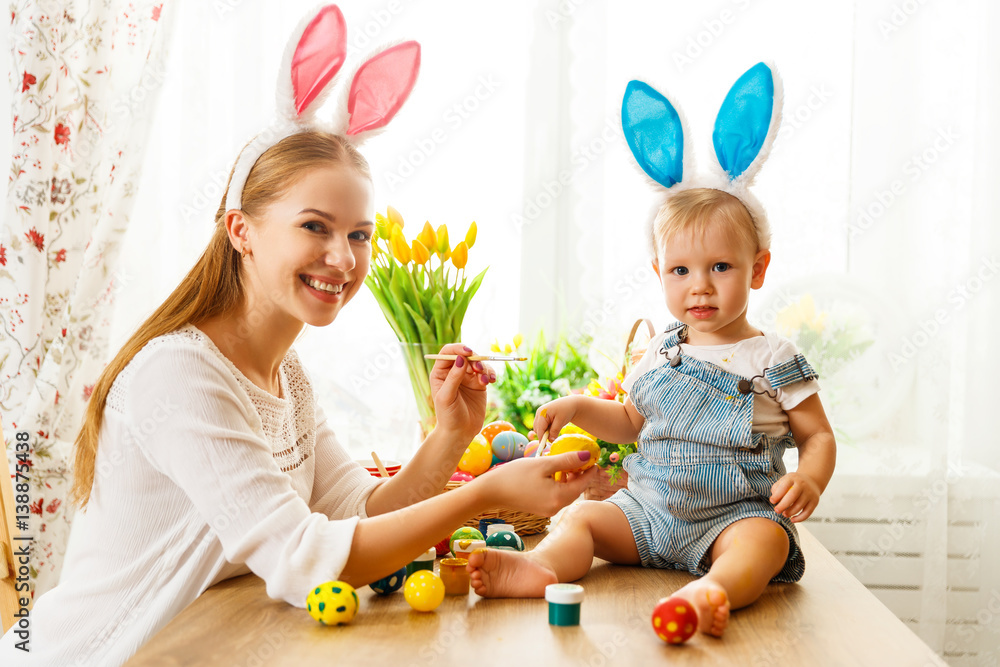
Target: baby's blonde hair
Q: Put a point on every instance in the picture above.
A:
(696, 209)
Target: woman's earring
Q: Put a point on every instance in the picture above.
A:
(244, 252)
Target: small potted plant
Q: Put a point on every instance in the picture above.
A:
(550, 371)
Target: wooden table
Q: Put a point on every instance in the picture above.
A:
(828, 618)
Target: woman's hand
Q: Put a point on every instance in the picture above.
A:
(554, 415)
(528, 485)
(459, 391)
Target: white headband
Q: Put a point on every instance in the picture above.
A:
(313, 57)
(745, 129)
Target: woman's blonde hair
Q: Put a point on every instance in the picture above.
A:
(214, 286)
(694, 210)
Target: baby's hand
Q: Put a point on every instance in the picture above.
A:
(553, 416)
(795, 496)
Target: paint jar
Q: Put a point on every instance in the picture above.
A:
(454, 575)
(564, 603)
(424, 561)
(464, 548)
(494, 527)
(484, 524)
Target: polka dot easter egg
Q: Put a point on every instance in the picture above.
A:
(507, 444)
(505, 539)
(674, 620)
(464, 533)
(332, 603)
(423, 590)
(389, 584)
(477, 457)
(493, 428)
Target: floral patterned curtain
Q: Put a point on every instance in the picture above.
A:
(84, 75)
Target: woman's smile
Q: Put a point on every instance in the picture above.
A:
(327, 290)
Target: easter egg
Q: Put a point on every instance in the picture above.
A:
(332, 603)
(442, 547)
(575, 442)
(505, 539)
(506, 443)
(477, 457)
(389, 584)
(423, 590)
(460, 476)
(464, 533)
(490, 430)
(530, 449)
(674, 620)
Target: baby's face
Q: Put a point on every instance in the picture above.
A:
(706, 282)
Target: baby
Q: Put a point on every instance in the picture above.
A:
(713, 403)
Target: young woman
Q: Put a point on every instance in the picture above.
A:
(204, 454)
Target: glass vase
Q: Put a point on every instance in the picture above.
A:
(419, 370)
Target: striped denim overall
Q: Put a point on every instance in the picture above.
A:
(699, 468)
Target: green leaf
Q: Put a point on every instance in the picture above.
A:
(463, 301)
(438, 315)
(424, 329)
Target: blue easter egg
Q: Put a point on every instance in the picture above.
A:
(389, 584)
(506, 443)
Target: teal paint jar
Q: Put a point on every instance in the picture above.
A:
(564, 603)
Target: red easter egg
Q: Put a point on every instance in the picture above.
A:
(674, 620)
(460, 476)
(442, 548)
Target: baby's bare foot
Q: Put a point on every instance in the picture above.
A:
(711, 603)
(508, 574)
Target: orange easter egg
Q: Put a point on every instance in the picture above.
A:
(490, 430)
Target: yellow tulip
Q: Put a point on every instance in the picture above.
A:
(374, 251)
(400, 250)
(382, 226)
(460, 255)
(518, 338)
(427, 236)
(495, 346)
(443, 249)
(506, 348)
(470, 236)
(420, 252)
(394, 216)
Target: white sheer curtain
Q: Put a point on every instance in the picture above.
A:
(885, 254)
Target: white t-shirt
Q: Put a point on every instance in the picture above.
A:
(747, 358)
(200, 476)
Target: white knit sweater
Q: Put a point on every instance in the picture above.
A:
(200, 476)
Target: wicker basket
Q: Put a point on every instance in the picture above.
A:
(602, 489)
(523, 522)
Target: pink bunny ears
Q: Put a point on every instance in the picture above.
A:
(314, 56)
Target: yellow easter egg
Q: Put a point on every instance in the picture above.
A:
(574, 442)
(423, 590)
(477, 457)
(332, 603)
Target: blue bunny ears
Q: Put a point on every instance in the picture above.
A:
(745, 129)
